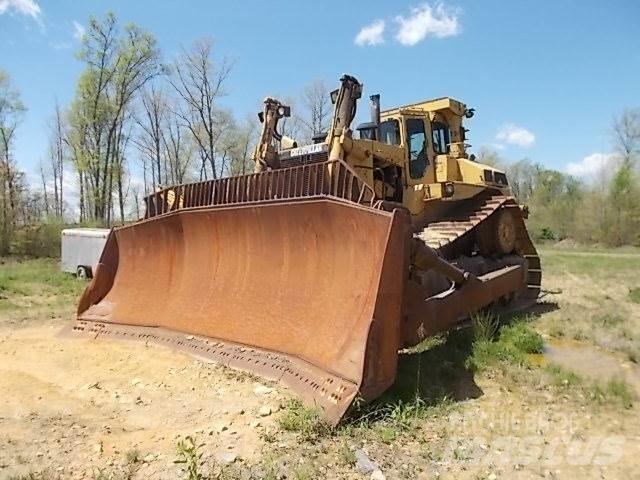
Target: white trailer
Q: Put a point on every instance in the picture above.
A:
(81, 250)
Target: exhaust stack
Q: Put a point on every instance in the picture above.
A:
(375, 109)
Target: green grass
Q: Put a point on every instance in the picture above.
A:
(522, 337)
(309, 423)
(36, 288)
(615, 391)
(509, 344)
(561, 377)
(600, 298)
(36, 277)
(591, 262)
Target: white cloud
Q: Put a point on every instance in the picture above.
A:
(591, 164)
(24, 7)
(60, 45)
(372, 34)
(426, 20)
(78, 30)
(515, 135)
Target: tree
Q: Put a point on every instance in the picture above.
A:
(317, 103)
(118, 65)
(165, 146)
(624, 190)
(179, 149)
(200, 82)
(57, 155)
(150, 140)
(11, 113)
(242, 141)
(490, 157)
(626, 134)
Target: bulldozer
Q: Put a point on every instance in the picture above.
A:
(320, 266)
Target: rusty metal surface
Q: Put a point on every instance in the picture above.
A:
(440, 312)
(315, 282)
(333, 178)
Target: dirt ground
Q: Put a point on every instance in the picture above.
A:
(77, 406)
(74, 408)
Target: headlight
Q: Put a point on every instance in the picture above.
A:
(448, 190)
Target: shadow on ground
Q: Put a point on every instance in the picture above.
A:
(431, 374)
(437, 370)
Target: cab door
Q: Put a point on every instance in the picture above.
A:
(419, 150)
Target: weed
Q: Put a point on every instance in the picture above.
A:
(578, 334)
(308, 422)
(346, 454)
(487, 353)
(513, 344)
(484, 325)
(428, 343)
(608, 320)
(268, 436)
(634, 294)
(460, 454)
(270, 473)
(522, 337)
(133, 455)
(103, 474)
(269, 467)
(615, 390)
(633, 352)
(190, 456)
(403, 414)
(561, 377)
(230, 472)
(304, 472)
(556, 329)
(31, 476)
(399, 415)
(387, 434)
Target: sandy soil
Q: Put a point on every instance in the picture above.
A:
(78, 406)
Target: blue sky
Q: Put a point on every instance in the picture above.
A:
(545, 77)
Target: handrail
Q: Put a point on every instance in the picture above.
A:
(331, 178)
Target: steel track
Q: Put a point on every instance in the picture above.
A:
(451, 236)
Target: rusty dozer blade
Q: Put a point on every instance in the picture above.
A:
(305, 292)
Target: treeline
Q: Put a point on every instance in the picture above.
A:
(602, 209)
(137, 121)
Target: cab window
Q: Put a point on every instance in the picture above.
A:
(390, 132)
(417, 144)
(441, 137)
